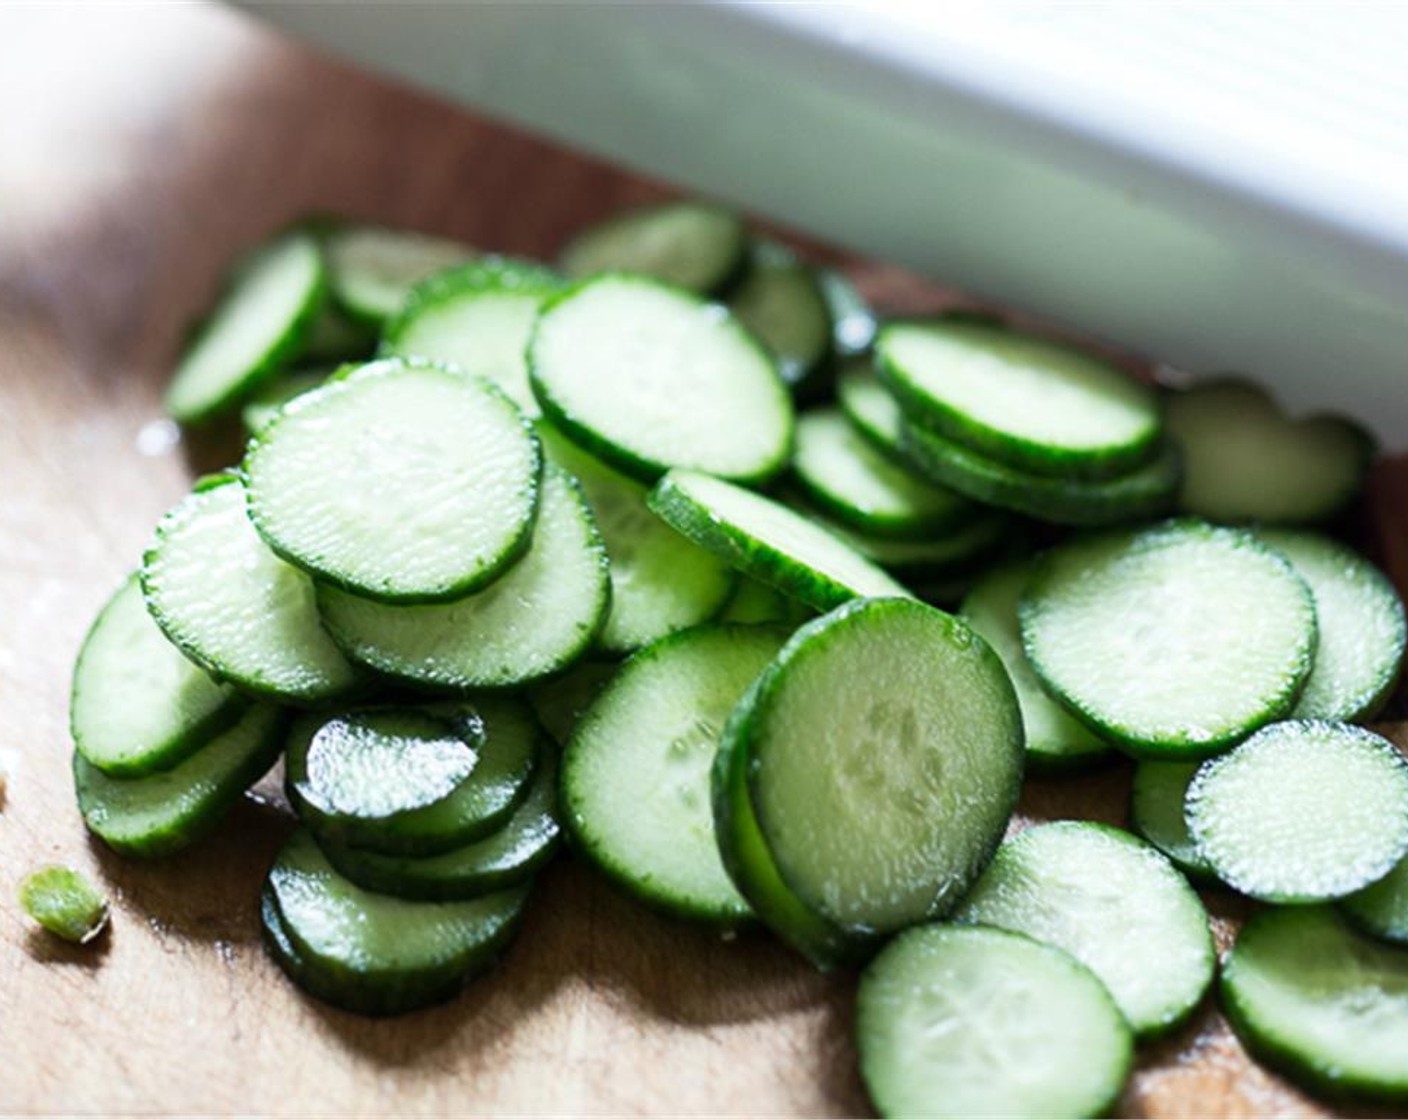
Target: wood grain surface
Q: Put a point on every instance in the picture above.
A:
(140, 147)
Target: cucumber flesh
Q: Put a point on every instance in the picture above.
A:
(688, 244)
(1244, 460)
(843, 475)
(1144, 492)
(1361, 627)
(648, 742)
(1055, 740)
(767, 541)
(534, 621)
(506, 858)
(1321, 1003)
(1113, 903)
(957, 1022)
(1023, 401)
(261, 322)
(698, 390)
(235, 608)
(372, 953)
(781, 301)
(478, 318)
(138, 704)
(1172, 641)
(661, 582)
(1156, 800)
(399, 482)
(883, 755)
(168, 810)
(1382, 909)
(374, 269)
(1303, 811)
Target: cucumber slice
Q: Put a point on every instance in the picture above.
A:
(767, 541)
(699, 391)
(532, 622)
(1156, 801)
(1362, 632)
(951, 553)
(872, 410)
(1027, 402)
(138, 704)
(1055, 741)
(399, 482)
(65, 903)
(166, 811)
(959, 1022)
(1173, 641)
(1146, 491)
(236, 609)
(374, 268)
(756, 603)
(478, 318)
(648, 742)
(689, 244)
(1327, 1007)
(261, 321)
(503, 859)
(1303, 811)
(371, 953)
(882, 753)
(267, 401)
(843, 475)
(1382, 909)
(660, 581)
(559, 703)
(853, 323)
(1113, 903)
(1244, 460)
(508, 743)
(781, 300)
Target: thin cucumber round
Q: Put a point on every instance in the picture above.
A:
(755, 603)
(1156, 799)
(852, 321)
(660, 581)
(1382, 908)
(648, 742)
(1320, 1002)
(882, 746)
(560, 701)
(1113, 903)
(507, 743)
(958, 1022)
(767, 541)
(845, 476)
(535, 620)
(1024, 401)
(371, 953)
(1145, 491)
(1055, 740)
(781, 300)
(269, 399)
(357, 776)
(1172, 641)
(1361, 625)
(871, 408)
(374, 269)
(691, 245)
(399, 482)
(1303, 811)
(236, 609)
(261, 322)
(168, 810)
(138, 704)
(1244, 460)
(478, 318)
(648, 377)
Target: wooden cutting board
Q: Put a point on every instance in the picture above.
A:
(140, 147)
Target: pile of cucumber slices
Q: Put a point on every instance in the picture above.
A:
(673, 551)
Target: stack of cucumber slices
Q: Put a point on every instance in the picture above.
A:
(649, 551)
